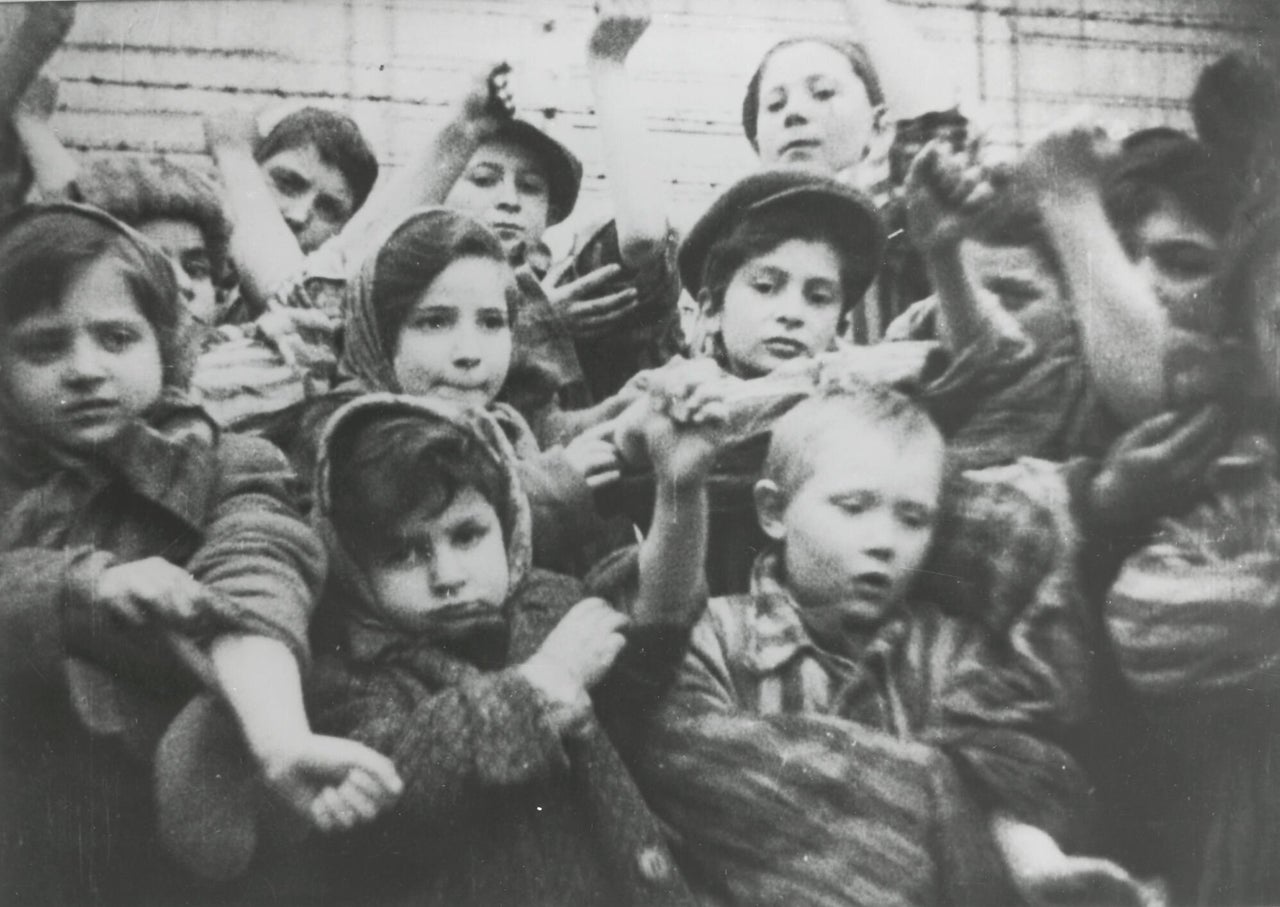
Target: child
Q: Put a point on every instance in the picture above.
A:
(1192, 618)
(832, 738)
(145, 558)
(1061, 380)
(431, 314)
(829, 104)
(320, 170)
(776, 265)
(175, 207)
(477, 675)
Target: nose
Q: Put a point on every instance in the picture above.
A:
(466, 348)
(185, 286)
(447, 574)
(84, 365)
(509, 195)
(796, 112)
(297, 211)
(791, 309)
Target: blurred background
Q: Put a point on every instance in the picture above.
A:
(136, 76)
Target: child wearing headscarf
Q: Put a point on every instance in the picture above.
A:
(158, 586)
(491, 683)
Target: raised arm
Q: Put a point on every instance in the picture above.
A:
(436, 164)
(28, 47)
(939, 196)
(1124, 329)
(913, 82)
(52, 165)
(636, 184)
(263, 247)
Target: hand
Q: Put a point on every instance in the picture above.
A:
(584, 645)
(488, 98)
(619, 25)
(1074, 881)
(585, 314)
(154, 589)
(40, 100)
(594, 457)
(337, 784)
(296, 333)
(1068, 161)
(1156, 466)
(230, 128)
(941, 195)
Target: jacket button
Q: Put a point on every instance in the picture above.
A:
(654, 865)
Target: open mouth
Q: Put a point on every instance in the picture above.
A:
(785, 347)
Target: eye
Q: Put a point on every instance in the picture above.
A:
(288, 182)
(117, 338)
(331, 209)
(484, 177)
(433, 320)
(1184, 261)
(915, 516)
(823, 92)
(532, 184)
(821, 295)
(764, 284)
(493, 320)
(776, 102)
(856, 503)
(41, 348)
(470, 535)
(404, 556)
(197, 268)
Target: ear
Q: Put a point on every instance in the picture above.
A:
(771, 505)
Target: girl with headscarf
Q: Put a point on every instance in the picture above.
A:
(152, 567)
(443, 647)
(435, 312)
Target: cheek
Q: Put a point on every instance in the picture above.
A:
(415, 359)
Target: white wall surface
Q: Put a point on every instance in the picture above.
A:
(136, 76)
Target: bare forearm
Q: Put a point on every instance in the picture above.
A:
(913, 82)
(52, 165)
(425, 179)
(673, 555)
(1125, 330)
(635, 180)
(263, 247)
(965, 316)
(260, 680)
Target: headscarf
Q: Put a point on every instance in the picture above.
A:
(361, 627)
(366, 362)
(31, 231)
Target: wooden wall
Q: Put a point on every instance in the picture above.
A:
(136, 76)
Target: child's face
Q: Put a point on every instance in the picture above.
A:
(183, 244)
(858, 527)
(506, 187)
(456, 340)
(314, 197)
(446, 566)
(1024, 284)
(783, 305)
(814, 110)
(1179, 260)
(79, 372)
